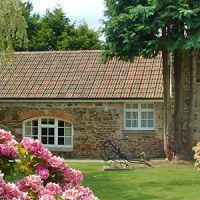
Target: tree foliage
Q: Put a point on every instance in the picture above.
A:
(55, 31)
(12, 26)
(145, 26)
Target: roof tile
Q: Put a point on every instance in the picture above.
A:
(80, 75)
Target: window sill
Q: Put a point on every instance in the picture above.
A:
(60, 149)
(140, 132)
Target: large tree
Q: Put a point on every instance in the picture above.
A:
(55, 31)
(146, 27)
(12, 26)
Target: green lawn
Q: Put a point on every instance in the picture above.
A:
(166, 182)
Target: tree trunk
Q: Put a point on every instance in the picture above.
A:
(190, 123)
(167, 104)
(178, 103)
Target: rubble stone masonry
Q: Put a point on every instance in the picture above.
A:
(93, 123)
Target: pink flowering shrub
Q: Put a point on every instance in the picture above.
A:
(45, 176)
(8, 152)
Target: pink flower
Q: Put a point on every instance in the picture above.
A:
(37, 148)
(5, 136)
(71, 194)
(57, 162)
(44, 154)
(68, 186)
(22, 185)
(43, 171)
(31, 145)
(85, 193)
(7, 146)
(34, 182)
(47, 197)
(26, 142)
(2, 183)
(25, 196)
(78, 193)
(72, 176)
(51, 189)
(12, 142)
(10, 151)
(11, 191)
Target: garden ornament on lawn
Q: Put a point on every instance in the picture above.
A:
(112, 154)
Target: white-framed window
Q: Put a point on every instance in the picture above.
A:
(50, 131)
(139, 116)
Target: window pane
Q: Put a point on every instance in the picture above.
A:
(128, 123)
(51, 140)
(134, 115)
(27, 130)
(61, 132)
(143, 106)
(128, 106)
(68, 141)
(150, 115)
(134, 106)
(44, 121)
(135, 123)
(67, 124)
(150, 123)
(44, 131)
(61, 140)
(44, 140)
(35, 137)
(143, 123)
(51, 121)
(35, 122)
(150, 106)
(60, 123)
(144, 115)
(128, 115)
(35, 131)
(51, 131)
(68, 132)
(28, 123)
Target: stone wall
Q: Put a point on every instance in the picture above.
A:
(93, 123)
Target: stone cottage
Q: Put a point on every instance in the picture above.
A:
(73, 102)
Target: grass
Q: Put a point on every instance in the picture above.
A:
(162, 182)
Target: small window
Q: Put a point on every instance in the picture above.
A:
(139, 116)
(51, 132)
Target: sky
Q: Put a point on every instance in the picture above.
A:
(90, 11)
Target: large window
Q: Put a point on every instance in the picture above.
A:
(51, 132)
(139, 116)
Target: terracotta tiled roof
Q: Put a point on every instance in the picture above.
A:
(80, 75)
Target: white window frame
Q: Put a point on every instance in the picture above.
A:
(55, 126)
(139, 110)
